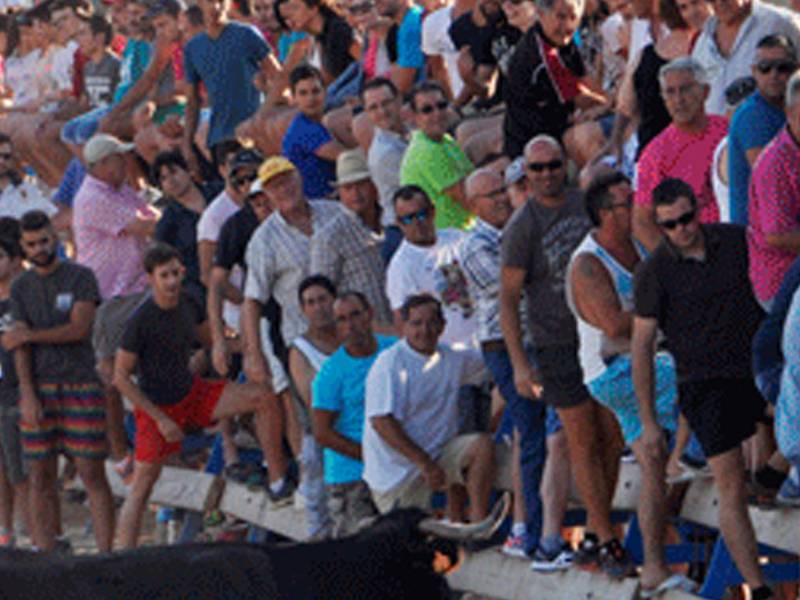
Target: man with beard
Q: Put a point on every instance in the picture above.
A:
(62, 403)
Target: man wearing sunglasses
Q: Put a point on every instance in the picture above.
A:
(433, 160)
(240, 172)
(774, 209)
(684, 149)
(536, 246)
(726, 47)
(429, 261)
(695, 289)
(759, 118)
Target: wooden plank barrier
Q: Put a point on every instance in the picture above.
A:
(779, 528)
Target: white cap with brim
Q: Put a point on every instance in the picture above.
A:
(103, 145)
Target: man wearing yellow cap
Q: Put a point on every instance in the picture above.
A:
(278, 258)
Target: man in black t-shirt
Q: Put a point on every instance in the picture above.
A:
(546, 77)
(169, 399)
(695, 288)
(62, 402)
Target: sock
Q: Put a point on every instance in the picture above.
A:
(276, 486)
(762, 593)
(551, 543)
(518, 529)
(769, 477)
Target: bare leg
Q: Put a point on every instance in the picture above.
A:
(734, 520)
(652, 513)
(240, 398)
(294, 432)
(555, 484)
(611, 444)
(339, 122)
(44, 502)
(101, 503)
(480, 477)
(586, 458)
(145, 476)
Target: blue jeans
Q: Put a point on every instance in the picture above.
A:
(529, 418)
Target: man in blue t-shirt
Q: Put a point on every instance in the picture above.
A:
(307, 143)
(405, 42)
(225, 59)
(759, 118)
(338, 403)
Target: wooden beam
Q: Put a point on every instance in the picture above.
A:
(493, 574)
(779, 528)
(176, 487)
(254, 507)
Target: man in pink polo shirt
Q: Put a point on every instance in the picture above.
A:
(112, 225)
(684, 150)
(774, 209)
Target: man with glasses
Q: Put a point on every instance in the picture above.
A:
(684, 149)
(726, 47)
(433, 160)
(240, 171)
(774, 210)
(18, 194)
(429, 261)
(539, 528)
(537, 244)
(600, 295)
(694, 288)
(759, 117)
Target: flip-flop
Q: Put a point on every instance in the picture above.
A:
(673, 582)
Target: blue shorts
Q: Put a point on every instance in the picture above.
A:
(614, 389)
(77, 131)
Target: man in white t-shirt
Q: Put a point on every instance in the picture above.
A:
(439, 50)
(240, 171)
(411, 445)
(429, 261)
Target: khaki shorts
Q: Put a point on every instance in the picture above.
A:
(414, 492)
(110, 322)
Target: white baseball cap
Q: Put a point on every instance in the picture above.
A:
(102, 145)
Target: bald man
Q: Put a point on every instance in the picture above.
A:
(532, 422)
(536, 246)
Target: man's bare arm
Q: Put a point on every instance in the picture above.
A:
(328, 437)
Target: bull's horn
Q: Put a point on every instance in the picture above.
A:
(466, 532)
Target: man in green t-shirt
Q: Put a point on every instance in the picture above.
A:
(433, 160)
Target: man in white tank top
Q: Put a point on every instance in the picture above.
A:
(308, 351)
(599, 291)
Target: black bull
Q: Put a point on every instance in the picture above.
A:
(391, 560)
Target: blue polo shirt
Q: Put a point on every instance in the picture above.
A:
(227, 65)
(303, 138)
(409, 40)
(339, 387)
(753, 125)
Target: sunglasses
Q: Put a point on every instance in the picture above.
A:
(243, 180)
(420, 217)
(783, 67)
(538, 167)
(684, 220)
(429, 108)
(360, 9)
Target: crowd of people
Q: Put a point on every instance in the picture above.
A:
(375, 239)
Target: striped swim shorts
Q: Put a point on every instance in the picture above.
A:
(73, 422)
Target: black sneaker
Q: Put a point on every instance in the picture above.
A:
(586, 554)
(284, 496)
(614, 561)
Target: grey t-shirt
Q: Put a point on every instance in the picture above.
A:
(44, 302)
(100, 80)
(540, 241)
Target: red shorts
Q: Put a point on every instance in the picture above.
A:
(194, 411)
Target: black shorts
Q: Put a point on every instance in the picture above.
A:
(721, 412)
(562, 376)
